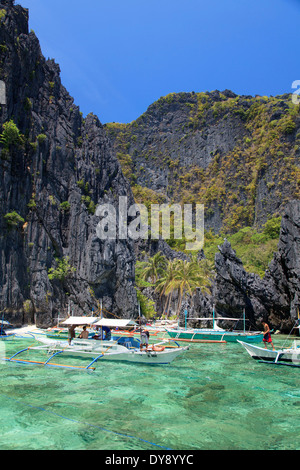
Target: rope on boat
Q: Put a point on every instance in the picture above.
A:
(287, 339)
(85, 423)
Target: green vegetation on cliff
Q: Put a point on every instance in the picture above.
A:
(255, 249)
(238, 155)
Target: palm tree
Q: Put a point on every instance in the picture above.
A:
(154, 267)
(189, 276)
(206, 267)
(164, 284)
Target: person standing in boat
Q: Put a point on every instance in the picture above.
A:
(267, 335)
(144, 339)
(71, 334)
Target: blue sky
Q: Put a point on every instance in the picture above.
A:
(117, 57)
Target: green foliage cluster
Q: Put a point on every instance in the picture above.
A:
(146, 196)
(27, 306)
(272, 228)
(127, 166)
(65, 206)
(86, 198)
(255, 249)
(32, 203)
(83, 186)
(168, 277)
(2, 14)
(89, 203)
(41, 138)
(62, 271)
(13, 219)
(28, 104)
(10, 135)
(147, 306)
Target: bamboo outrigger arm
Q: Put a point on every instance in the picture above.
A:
(48, 363)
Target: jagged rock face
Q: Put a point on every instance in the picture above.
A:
(284, 270)
(234, 289)
(276, 296)
(54, 178)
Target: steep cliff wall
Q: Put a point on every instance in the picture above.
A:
(239, 155)
(55, 168)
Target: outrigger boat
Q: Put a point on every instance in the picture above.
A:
(214, 334)
(285, 356)
(116, 349)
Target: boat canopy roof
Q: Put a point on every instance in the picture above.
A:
(80, 321)
(215, 318)
(114, 323)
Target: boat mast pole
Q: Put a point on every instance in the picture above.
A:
(101, 316)
(213, 317)
(244, 320)
(2, 323)
(140, 324)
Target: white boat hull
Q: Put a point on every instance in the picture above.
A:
(289, 355)
(111, 351)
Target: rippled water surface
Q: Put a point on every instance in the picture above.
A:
(213, 397)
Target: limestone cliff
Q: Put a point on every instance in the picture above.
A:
(238, 155)
(55, 168)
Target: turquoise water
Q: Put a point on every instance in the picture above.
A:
(214, 397)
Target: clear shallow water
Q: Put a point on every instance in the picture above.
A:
(215, 397)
